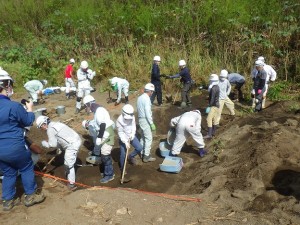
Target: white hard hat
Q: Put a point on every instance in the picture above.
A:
(224, 73)
(42, 120)
(84, 65)
(127, 111)
(72, 60)
(44, 82)
(4, 76)
(261, 58)
(182, 63)
(113, 81)
(259, 63)
(85, 124)
(149, 87)
(88, 99)
(214, 77)
(156, 58)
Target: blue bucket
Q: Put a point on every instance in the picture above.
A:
(164, 148)
(171, 164)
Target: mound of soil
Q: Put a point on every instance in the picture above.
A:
(250, 176)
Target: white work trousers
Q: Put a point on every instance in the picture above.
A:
(32, 94)
(82, 91)
(70, 159)
(229, 104)
(146, 138)
(183, 131)
(69, 83)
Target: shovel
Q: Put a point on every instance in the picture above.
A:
(84, 165)
(124, 168)
(50, 161)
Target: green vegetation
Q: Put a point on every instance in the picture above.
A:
(120, 38)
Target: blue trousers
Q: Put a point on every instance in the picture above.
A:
(107, 166)
(137, 149)
(17, 160)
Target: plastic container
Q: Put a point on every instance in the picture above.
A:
(164, 148)
(60, 110)
(171, 164)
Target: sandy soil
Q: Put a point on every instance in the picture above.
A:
(250, 176)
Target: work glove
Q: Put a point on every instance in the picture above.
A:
(207, 110)
(153, 127)
(98, 141)
(132, 137)
(127, 144)
(259, 91)
(45, 144)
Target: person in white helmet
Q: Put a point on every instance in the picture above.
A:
(62, 136)
(35, 89)
(213, 106)
(126, 127)
(187, 83)
(188, 124)
(155, 80)
(120, 85)
(225, 89)
(259, 86)
(68, 77)
(101, 128)
(146, 121)
(271, 77)
(84, 76)
(14, 154)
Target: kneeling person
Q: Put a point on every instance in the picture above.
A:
(61, 135)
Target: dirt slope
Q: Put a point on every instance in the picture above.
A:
(250, 176)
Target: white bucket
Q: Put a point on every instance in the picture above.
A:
(60, 110)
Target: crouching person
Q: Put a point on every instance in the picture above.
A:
(62, 136)
(102, 130)
(188, 124)
(126, 127)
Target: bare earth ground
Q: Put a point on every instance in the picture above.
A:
(250, 176)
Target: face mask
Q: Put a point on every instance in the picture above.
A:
(9, 91)
(222, 78)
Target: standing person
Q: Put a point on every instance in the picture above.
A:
(68, 77)
(35, 89)
(155, 80)
(238, 80)
(259, 85)
(188, 124)
(14, 155)
(84, 76)
(62, 136)
(271, 77)
(146, 121)
(126, 127)
(101, 129)
(187, 83)
(213, 106)
(120, 85)
(225, 89)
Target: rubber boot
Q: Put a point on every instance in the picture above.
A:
(253, 103)
(209, 134)
(126, 100)
(214, 129)
(263, 104)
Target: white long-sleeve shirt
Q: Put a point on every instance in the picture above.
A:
(59, 134)
(144, 108)
(121, 84)
(101, 116)
(35, 85)
(126, 128)
(187, 120)
(84, 78)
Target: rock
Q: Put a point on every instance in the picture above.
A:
(273, 124)
(245, 220)
(121, 211)
(291, 122)
(160, 220)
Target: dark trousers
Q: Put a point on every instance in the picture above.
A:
(185, 93)
(157, 93)
(238, 87)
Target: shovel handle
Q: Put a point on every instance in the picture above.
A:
(50, 161)
(124, 167)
